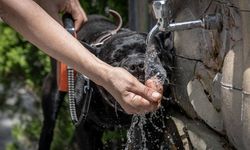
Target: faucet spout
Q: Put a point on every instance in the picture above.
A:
(162, 13)
(152, 33)
(153, 66)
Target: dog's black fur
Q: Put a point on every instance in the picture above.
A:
(125, 49)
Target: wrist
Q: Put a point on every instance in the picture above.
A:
(104, 71)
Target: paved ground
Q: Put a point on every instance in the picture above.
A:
(21, 104)
(6, 125)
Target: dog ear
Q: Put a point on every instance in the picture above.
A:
(165, 45)
(165, 40)
(144, 34)
(94, 50)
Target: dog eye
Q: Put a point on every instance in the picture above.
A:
(117, 55)
(141, 66)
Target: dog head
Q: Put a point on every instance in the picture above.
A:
(125, 49)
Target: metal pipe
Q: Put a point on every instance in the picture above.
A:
(209, 22)
(185, 25)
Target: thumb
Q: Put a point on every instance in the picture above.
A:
(147, 92)
(154, 84)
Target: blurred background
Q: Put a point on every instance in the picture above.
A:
(22, 70)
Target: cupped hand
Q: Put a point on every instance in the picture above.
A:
(133, 96)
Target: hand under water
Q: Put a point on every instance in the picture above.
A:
(133, 96)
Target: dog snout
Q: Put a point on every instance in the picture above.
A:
(134, 65)
(137, 66)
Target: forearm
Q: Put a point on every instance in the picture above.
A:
(40, 29)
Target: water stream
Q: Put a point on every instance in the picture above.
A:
(153, 70)
(153, 67)
(137, 135)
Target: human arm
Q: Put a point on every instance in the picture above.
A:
(30, 20)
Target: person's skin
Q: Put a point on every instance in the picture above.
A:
(54, 7)
(31, 21)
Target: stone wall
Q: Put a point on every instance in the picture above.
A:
(212, 75)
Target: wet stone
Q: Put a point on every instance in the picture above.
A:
(203, 106)
(216, 91)
(203, 138)
(198, 136)
(184, 72)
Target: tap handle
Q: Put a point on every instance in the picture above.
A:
(161, 8)
(213, 22)
(162, 12)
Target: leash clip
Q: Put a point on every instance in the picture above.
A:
(87, 85)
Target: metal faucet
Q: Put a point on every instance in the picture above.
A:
(163, 13)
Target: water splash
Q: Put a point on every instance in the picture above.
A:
(153, 66)
(136, 134)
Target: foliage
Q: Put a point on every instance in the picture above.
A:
(99, 7)
(20, 60)
(116, 138)
(25, 135)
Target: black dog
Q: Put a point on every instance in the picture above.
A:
(125, 49)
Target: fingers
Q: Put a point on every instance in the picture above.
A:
(143, 106)
(150, 92)
(74, 8)
(79, 17)
(133, 96)
(154, 84)
(145, 98)
(70, 6)
(78, 14)
(139, 105)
